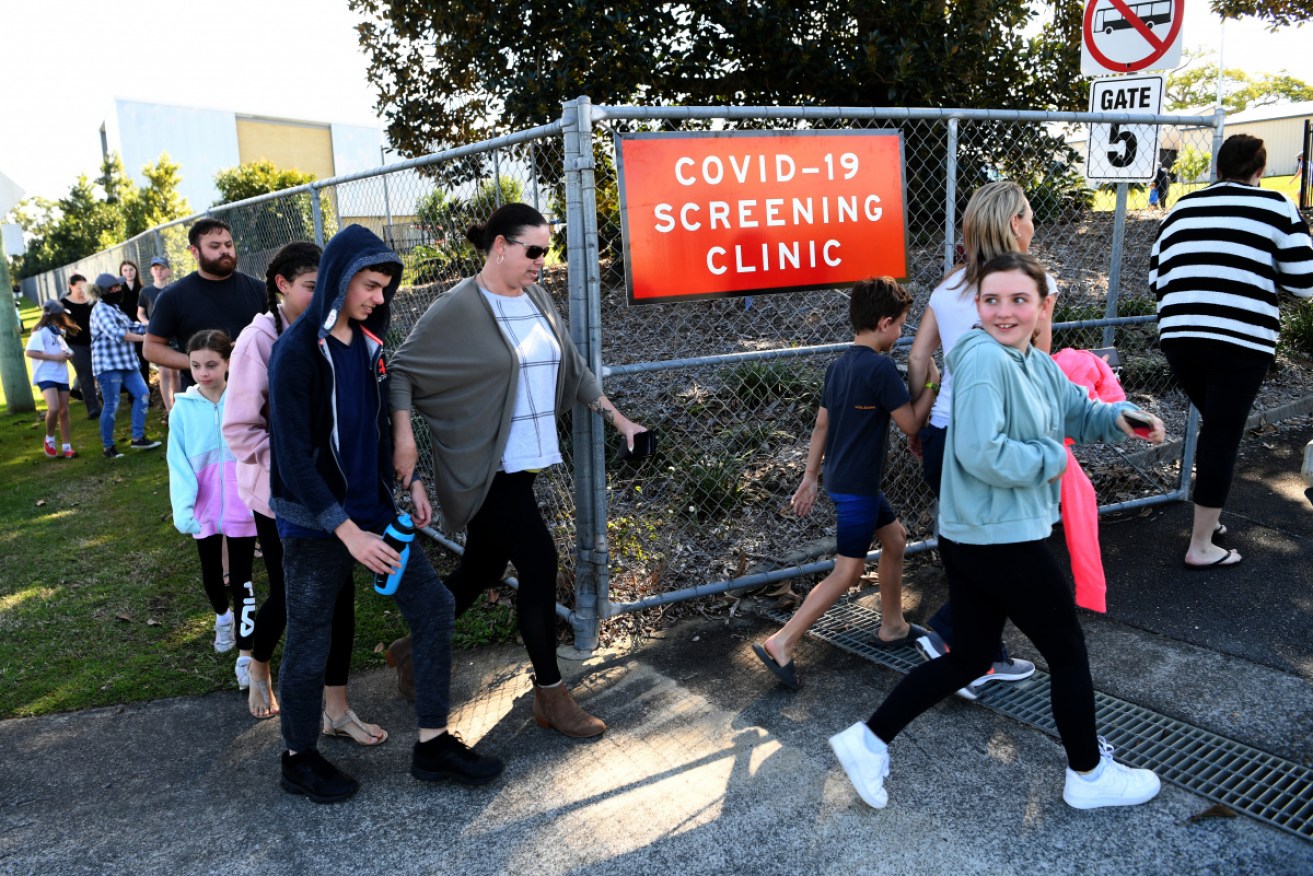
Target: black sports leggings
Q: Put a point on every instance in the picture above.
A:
(1222, 381)
(272, 617)
(241, 556)
(988, 584)
(509, 527)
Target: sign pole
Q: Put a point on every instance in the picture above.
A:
(1115, 263)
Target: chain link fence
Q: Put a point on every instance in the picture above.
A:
(732, 384)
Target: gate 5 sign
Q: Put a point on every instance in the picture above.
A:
(712, 214)
(1121, 152)
(1127, 36)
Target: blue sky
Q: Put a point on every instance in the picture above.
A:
(63, 62)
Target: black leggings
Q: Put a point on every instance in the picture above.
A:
(241, 556)
(509, 528)
(1222, 381)
(272, 617)
(988, 584)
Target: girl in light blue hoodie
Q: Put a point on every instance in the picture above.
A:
(1012, 407)
(203, 489)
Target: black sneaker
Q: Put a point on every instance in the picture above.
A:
(309, 774)
(112, 452)
(144, 444)
(447, 757)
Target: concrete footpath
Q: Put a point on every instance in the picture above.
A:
(708, 765)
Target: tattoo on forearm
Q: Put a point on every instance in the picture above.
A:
(608, 414)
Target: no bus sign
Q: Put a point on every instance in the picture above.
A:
(1121, 152)
(712, 214)
(1128, 36)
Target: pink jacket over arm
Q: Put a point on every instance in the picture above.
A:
(246, 413)
(1080, 506)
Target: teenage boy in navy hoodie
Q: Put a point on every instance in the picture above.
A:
(331, 484)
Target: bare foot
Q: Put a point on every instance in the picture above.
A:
(776, 652)
(1211, 555)
(260, 697)
(884, 628)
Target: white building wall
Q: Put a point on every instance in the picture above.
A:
(201, 141)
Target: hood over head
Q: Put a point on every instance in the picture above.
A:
(351, 250)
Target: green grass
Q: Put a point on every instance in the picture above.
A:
(100, 597)
(1105, 200)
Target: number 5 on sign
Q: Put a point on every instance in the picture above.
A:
(1124, 151)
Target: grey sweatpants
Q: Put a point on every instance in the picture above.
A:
(316, 570)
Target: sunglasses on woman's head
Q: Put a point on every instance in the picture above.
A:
(530, 250)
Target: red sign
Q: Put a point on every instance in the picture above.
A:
(1124, 36)
(713, 214)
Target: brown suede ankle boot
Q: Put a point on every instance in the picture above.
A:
(554, 707)
(398, 657)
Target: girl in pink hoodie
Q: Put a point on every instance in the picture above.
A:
(290, 281)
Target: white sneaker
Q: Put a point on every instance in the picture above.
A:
(243, 672)
(865, 769)
(224, 639)
(1117, 784)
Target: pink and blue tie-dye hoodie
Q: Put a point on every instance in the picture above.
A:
(203, 471)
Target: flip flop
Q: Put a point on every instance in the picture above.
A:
(913, 633)
(1220, 531)
(1221, 562)
(786, 673)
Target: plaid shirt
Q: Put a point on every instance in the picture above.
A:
(109, 352)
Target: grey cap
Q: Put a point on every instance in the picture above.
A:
(159, 260)
(105, 282)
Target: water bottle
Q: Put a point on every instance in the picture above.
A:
(399, 534)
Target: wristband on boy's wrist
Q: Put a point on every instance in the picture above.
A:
(932, 386)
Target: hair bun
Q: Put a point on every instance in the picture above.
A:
(474, 234)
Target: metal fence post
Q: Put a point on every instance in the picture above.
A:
(950, 198)
(1219, 129)
(581, 255)
(317, 215)
(1115, 263)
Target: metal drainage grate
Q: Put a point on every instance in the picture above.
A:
(1269, 788)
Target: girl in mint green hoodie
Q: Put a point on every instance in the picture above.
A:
(1012, 407)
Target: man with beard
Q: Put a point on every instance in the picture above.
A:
(214, 296)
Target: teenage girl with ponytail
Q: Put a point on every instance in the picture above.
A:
(290, 283)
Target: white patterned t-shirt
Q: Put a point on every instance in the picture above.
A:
(532, 443)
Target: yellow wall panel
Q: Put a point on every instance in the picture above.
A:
(289, 145)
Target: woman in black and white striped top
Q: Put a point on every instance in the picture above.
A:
(1222, 256)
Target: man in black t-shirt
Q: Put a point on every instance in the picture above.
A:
(215, 296)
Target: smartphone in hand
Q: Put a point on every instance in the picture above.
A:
(1139, 422)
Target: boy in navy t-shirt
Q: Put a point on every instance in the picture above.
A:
(863, 391)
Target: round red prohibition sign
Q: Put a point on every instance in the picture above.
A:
(1139, 15)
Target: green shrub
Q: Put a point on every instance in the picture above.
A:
(711, 486)
(1297, 329)
(758, 381)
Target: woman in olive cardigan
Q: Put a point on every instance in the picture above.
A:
(490, 368)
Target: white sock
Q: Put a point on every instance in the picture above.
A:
(225, 618)
(1094, 774)
(874, 743)
(68, 446)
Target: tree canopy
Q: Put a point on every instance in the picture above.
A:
(1277, 13)
(97, 214)
(256, 178)
(1194, 86)
(459, 71)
